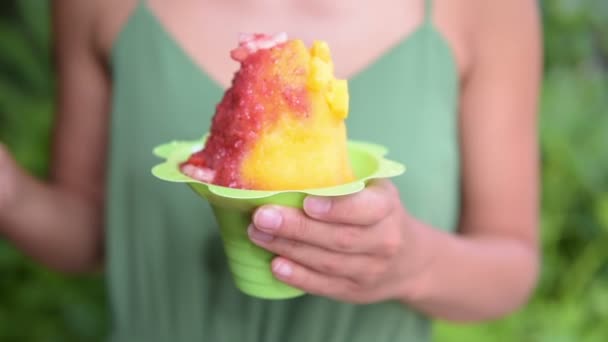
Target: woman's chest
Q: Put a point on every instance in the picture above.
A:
(358, 32)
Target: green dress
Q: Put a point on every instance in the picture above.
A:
(167, 276)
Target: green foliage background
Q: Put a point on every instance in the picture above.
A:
(571, 302)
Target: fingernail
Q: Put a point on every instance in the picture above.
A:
(282, 268)
(258, 235)
(268, 218)
(317, 205)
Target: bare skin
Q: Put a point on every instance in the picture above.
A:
(485, 271)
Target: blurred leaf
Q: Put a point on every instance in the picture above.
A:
(35, 14)
(601, 211)
(19, 62)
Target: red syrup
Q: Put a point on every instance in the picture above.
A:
(252, 102)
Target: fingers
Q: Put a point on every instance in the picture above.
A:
(307, 279)
(313, 282)
(318, 259)
(292, 224)
(364, 208)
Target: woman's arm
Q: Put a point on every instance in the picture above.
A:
(59, 222)
(491, 268)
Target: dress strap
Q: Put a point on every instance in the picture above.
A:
(428, 11)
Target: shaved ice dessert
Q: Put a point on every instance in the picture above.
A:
(280, 126)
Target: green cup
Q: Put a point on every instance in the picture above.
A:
(249, 263)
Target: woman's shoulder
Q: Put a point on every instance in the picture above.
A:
(109, 20)
(92, 25)
(472, 27)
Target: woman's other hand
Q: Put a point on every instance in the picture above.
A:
(8, 182)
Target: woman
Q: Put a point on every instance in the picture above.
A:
(449, 86)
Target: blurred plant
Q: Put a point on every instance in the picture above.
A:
(26, 82)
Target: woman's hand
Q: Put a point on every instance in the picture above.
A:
(8, 181)
(354, 248)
